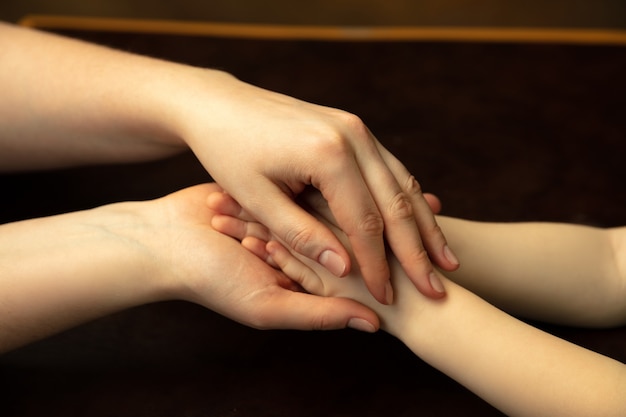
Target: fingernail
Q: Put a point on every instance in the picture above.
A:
(436, 283)
(333, 262)
(270, 261)
(388, 293)
(450, 256)
(362, 325)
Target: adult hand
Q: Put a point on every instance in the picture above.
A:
(215, 271)
(264, 148)
(123, 255)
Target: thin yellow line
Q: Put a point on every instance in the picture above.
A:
(330, 33)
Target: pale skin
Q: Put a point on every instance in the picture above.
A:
(60, 271)
(70, 103)
(518, 368)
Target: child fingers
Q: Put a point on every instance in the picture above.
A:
(294, 268)
(223, 203)
(238, 228)
(257, 247)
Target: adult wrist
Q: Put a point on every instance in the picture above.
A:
(130, 239)
(186, 99)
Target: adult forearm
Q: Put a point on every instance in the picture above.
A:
(67, 102)
(61, 271)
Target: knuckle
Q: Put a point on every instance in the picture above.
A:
(321, 322)
(435, 229)
(359, 131)
(418, 257)
(371, 224)
(333, 146)
(412, 186)
(347, 125)
(299, 239)
(400, 207)
(352, 121)
(433, 236)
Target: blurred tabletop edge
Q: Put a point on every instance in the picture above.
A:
(330, 33)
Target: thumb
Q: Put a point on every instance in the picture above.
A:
(302, 311)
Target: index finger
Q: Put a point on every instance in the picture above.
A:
(358, 216)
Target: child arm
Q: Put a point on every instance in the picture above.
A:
(563, 273)
(517, 368)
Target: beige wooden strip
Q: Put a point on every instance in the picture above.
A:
(332, 33)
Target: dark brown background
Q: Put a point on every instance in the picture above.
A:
(607, 14)
(501, 132)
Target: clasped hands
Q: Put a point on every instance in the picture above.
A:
(284, 145)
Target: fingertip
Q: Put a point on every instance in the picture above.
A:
(388, 293)
(351, 314)
(383, 294)
(305, 234)
(433, 202)
(258, 248)
(437, 285)
(220, 222)
(445, 258)
(277, 255)
(210, 204)
(431, 287)
(312, 312)
(451, 257)
(228, 225)
(363, 318)
(218, 202)
(224, 203)
(333, 262)
(377, 279)
(362, 325)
